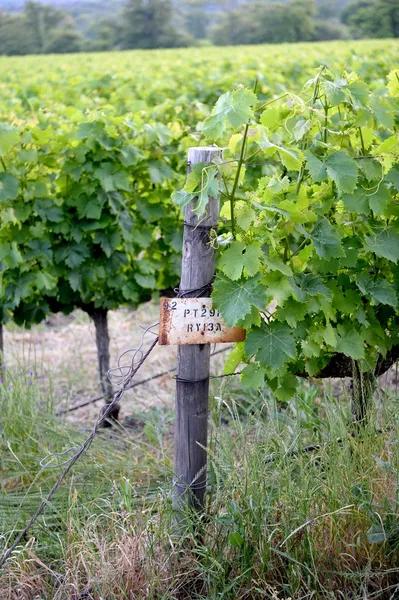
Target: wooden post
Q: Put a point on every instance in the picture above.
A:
(192, 380)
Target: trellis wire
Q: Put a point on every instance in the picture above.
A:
(139, 383)
(106, 410)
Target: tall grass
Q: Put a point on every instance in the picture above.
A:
(280, 523)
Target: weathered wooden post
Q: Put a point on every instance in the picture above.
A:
(192, 378)
(190, 321)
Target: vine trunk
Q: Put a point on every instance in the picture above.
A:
(100, 320)
(363, 388)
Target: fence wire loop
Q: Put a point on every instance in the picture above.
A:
(46, 462)
(121, 376)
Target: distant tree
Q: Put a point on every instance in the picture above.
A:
(41, 20)
(40, 28)
(372, 18)
(330, 30)
(63, 41)
(150, 24)
(15, 36)
(326, 9)
(267, 22)
(196, 22)
(104, 35)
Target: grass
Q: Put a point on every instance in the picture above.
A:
(322, 525)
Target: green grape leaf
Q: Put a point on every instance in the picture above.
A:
(379, 200)
(276, 264)
(252, 256)
(277, 286)
(202, 183)
(379, 290)
(235, 299)
(233, 107)
(75, 280)
(235, 139)
(14, 256)
(350, 342)
(291, 159)
(316, 167)
(271, 118)
(235, 357)
(343, 170)
(209, 189)
(287, 386)
(393, 83)
(393, 177)
(8, 138)
(292, 311)
(326, 240)
(182, 198)
(360, 91)
(45, 281)
(301, 128)
(108, 241)
(231, 261)
(357, 202)
(383, 111)
(272, 345)
(9, 187)
(145, 281)
(371, 168)
(112, 178)
(384, 243)
(329, 335)
(339, 166)
(334, 91)
(306, 284)
(252, 377)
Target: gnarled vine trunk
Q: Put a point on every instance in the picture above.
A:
(363, 388)
(100, 320)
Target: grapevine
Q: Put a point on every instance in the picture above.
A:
(314, 229)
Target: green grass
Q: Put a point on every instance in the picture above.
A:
(320, 525)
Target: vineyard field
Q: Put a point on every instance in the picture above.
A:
(174, 84)
(300, 457)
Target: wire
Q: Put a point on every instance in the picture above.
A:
(121, 377)
(142, 382)
(105, 411)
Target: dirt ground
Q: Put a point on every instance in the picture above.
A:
(61, 355)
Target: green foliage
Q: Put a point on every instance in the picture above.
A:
(149, 24)
(62, 41)
(322, 242)
(330, 30)
(372, 18)
(15, 38)
(266, 22)
(272, 508)
(39, 29)
(86, 219)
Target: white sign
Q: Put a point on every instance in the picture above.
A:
(194, 321)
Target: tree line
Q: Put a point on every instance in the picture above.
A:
(145, 24)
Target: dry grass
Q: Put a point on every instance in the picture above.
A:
(302, 522)
(63, 350)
